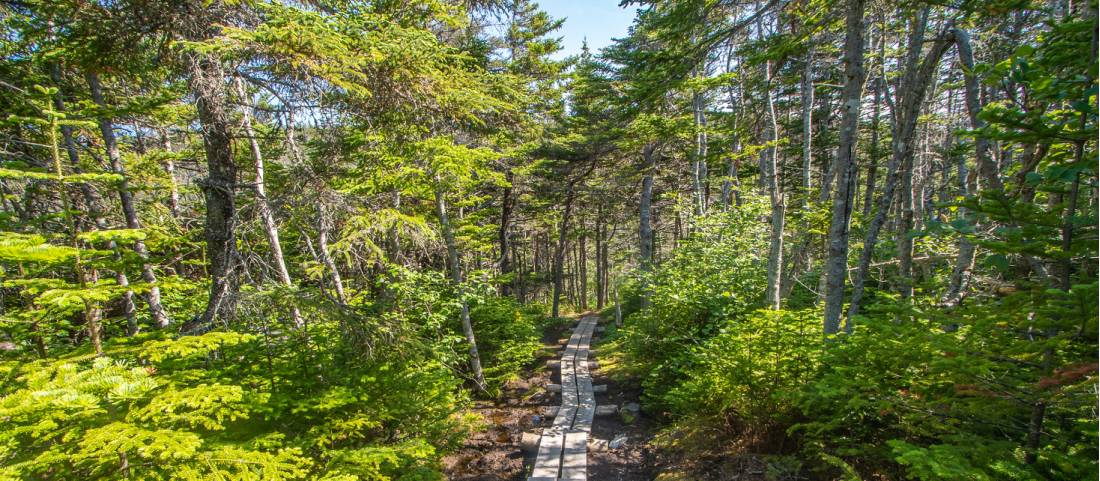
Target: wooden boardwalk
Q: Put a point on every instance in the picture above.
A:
(563, 447)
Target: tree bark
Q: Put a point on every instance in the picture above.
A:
(778, 216)
(645, 214)
(964, 262)
(836, 264)
(504, 236)
(170, 169)
(876, 119)
(271, 230)
(323, 226)
(106, 128)
(911, 94)
(91, 204)
(731, 186)
(456, 277)
(872, 163)
(699, 159)
(559, 252)
(807, 91)
(599, 259)
(582, 264)
(207, 82)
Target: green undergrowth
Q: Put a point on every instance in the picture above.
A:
(916, 391)
(368, 391)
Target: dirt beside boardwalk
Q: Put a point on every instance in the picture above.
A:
(495, 452)
(634, 460)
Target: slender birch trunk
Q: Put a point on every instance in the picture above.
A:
(271, 230)
(106, 128)
(323, 226)
(645, 214)
(456, 277)
(778, 216)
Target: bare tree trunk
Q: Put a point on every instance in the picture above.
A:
(582, 261)
(599, 259)
(170, 169)
(507, 203)
(106, 128)
(807, 91)
(836, 264)
(904, 239)
(771, 170)
(323, 226)
(456, 277)
(731, 187)
(645, 213)
(91, 205)
(271, 230)
(872, 163)
(618, 309)
(964, 263)
(876, 119)
(207, 81)
(911, 94)
(559, 253)
(699, 160)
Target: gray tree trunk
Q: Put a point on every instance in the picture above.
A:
(504, 264)
(778, 216)
(170, 169)
(872, 163)
(645, 214)
(964, 262)
(92, 208)
(106, 128)
(699, 159)
(456, 277)
(323, 226)
(599, 259)
(731, 186)
(559, 252)
(911, 92)
(208, 85)
(807, 91)
(271, 230)
(836, 265)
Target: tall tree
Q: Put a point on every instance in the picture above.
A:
(837, 261)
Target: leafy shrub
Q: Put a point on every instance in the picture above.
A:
(954, 404)
(713, 278)
(378, 402)
(747, 371)
(508, 336)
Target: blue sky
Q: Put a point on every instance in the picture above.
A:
(597, 20)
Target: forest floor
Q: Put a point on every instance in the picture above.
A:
(495, 453)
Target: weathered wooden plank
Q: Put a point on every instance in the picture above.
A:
(586, 408)
(548, 460)
(574, 464)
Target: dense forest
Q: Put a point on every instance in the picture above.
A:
(289, 240)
